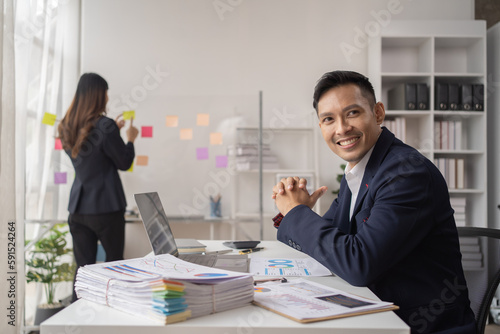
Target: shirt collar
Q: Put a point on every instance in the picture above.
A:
(355, 174)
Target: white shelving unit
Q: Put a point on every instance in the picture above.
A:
(493, 125)
(433, 52)
(296, 152)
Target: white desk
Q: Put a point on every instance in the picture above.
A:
(84, 317)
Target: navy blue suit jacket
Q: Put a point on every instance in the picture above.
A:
(97, 188)
(401, 241)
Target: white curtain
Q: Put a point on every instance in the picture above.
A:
(47, 66)
(11, 227)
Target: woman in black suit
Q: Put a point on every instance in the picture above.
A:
(97, 200)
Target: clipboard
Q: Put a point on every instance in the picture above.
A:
(305, 301)
(309, 320)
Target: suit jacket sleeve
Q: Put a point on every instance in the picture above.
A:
(121, 154)
(395, 215)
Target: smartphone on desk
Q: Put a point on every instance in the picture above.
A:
(241, 244)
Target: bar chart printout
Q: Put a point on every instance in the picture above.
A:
(287, 267)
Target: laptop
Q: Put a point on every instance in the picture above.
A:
(163, 242)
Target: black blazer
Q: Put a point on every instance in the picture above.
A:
(97, 187)
(401, 242)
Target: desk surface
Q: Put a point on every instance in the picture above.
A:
(85, 317)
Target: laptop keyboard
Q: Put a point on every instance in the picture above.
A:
(204, 260)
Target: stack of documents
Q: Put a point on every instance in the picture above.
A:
(164, 287)
(246, 157)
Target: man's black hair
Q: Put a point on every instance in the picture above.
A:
(333, 79)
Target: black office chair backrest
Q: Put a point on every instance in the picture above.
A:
(482, 270)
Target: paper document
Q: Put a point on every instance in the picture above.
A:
(160, 266)
(287, 267)
(306, 301)
(164, 288)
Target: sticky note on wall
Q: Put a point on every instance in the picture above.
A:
(215, 138)
(202, 153)
(186, 134)
(172, 121)
(58, 144)
(221, 161)
(142, 160)
(49, 119)
(129, 115)
(203, 119)
(147, 131)
(60, 178)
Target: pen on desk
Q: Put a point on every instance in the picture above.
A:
(224, 251)
(282, 280)
(251, 250)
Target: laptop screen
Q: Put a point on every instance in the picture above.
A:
(156, 223)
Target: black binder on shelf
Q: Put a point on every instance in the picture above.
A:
(441, 96)
(403, 97)
(466, 96)
(453, 96)
(422, 96)
(478, 97)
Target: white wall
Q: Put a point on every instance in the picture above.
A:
(278, 46)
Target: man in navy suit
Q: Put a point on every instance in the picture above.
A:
(391, 227)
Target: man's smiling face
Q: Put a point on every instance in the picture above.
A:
(349, 123)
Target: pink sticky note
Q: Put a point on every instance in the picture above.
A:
(147, 131)
(202, 153)
(58, 145)
(60, 177)
(221, 161)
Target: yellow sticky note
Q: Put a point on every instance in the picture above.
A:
(131, 169)
(215, 138)
(49, 119)
(203, 120)
(172, 121)
(186, 134)
(142, 160)
(129, 115)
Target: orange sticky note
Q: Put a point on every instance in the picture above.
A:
(215, 138)
(142, 160)
(49, 119)
(186, 134)
(203, 120)
(172, 121)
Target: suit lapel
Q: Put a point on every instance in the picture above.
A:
(378, 155)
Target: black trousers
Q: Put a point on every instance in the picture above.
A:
(87, 230)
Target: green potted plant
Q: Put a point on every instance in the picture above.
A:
(339, 179)
(49, 263)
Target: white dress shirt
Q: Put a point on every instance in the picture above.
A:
(354, 176)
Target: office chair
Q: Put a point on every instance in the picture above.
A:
(483, 282)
